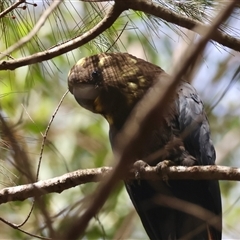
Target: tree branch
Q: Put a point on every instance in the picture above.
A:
(35, 30)
(149, 7)
(83, 176)
(104, 24)
(12, 7)
(145, 6)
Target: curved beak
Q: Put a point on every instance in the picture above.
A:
(85, 94)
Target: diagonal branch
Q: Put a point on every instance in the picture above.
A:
(156, 10)
(106, 22)
(12, 7)
(34, 31)
(145, 6)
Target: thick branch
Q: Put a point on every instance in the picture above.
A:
(155, 9)
(73, 179)
(106, 22)
(35, 30)
(139, 5)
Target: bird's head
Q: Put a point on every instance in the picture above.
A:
(111, 84)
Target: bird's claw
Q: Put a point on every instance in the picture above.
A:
(138, 168)
(189, 161)
(162, 168)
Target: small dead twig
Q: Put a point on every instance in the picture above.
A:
(10, 8)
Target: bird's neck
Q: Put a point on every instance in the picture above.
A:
(115, 107)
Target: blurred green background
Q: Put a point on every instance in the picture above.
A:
(78, 139)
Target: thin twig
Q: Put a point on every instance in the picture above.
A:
(46, 133)
(118, 37)
(23, 163)
(12, 225)
(234, 79)
(40, 160)
(20, 156)
(12, 7)
(34, 31)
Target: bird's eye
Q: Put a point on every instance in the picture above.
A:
(96, 76)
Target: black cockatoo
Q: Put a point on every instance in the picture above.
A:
(111, 84)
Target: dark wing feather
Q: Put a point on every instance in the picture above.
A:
(168, 223)
(199, 145)
(192, 118)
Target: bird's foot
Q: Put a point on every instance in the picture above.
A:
(138, 167)
(188, 161)
(162, 168)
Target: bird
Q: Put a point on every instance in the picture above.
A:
(111, 84)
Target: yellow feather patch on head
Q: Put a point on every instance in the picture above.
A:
(132, 60)
(130, 72)
(132, 85)
(141, 81)
(81, 61)
(104, 58)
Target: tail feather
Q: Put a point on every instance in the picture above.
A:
(175, 212)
